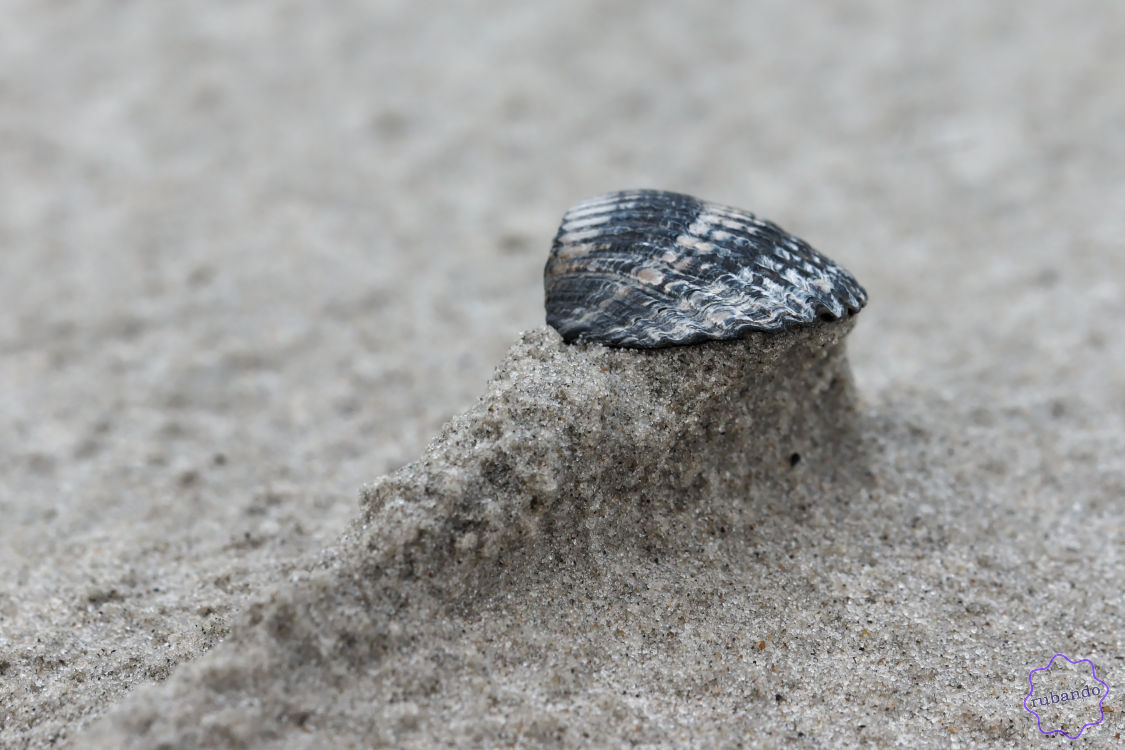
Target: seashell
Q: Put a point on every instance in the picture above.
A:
(650, 268)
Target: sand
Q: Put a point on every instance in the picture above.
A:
(253, 257)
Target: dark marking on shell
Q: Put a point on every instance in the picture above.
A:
(649, 268)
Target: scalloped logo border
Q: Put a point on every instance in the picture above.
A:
(1039, 720)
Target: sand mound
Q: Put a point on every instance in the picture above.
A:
(582, 476)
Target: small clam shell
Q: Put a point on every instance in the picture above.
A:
(649, 268)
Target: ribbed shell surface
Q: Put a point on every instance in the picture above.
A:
(650, 268)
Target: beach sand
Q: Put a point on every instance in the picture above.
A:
(253, 257)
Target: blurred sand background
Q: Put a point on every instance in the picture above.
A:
(253, 255)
